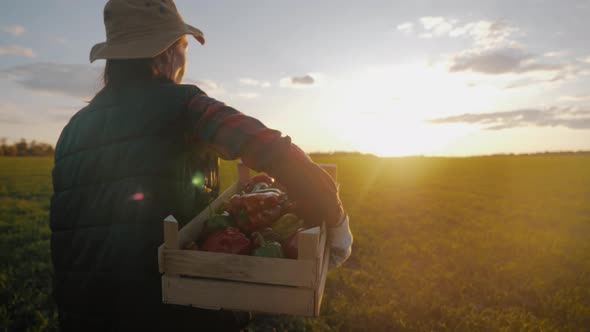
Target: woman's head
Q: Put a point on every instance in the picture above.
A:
(137, 29)
(169, 65)
(146, 39)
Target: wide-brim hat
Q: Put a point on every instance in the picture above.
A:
(141, 29)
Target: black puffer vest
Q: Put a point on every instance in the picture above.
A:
(122, 164)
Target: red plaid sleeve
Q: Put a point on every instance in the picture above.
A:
(235, 135)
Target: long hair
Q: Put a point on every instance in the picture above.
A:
(118, 72)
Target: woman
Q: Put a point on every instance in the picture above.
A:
(130, 158)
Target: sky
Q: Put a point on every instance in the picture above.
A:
(392, 78)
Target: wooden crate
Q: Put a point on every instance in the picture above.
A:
(238, 282)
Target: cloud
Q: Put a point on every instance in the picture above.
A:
(215, 90)
(437, 26)
(429, 22)
(253, 82)
(406, 27)
(17, 50)
(566, 72)
(11, 113)
(485, 34)
(500, 61)
(494, 50)
(304, 81)
(15, 30)
(210, 87)
(203, 84)
(74, 80)
(248, 95)
(576, 98)
(78, 80)
(568, 117)
(556, 54)
(527, 82)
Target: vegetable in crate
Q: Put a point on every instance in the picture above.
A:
(286, 226)
(291, 246)
(252, 202)
(255, 210)
(228, 240)
(258, 182)
(257, 201)
(269, 234)
(218, 222)
(268, 190)
(266, 248)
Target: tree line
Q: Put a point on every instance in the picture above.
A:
(23, 148)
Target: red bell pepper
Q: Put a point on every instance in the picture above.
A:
(260, 219)
(255, 210)
(234, 205)
(291, 246)
(229, 240)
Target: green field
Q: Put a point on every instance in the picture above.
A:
(441, 244)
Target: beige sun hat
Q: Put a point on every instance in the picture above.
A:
(141, 29)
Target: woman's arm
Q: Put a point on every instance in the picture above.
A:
(233, 135)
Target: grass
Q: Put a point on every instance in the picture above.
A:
(25, 261)
(441, 244)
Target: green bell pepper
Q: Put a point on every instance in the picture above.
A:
(266, 248)
(286, 226)
(218, 222)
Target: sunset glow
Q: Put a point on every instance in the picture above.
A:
(401, 81)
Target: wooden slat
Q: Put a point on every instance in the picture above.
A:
(191, 231)
(321, 249)
(161, 258)
(308, 244)
(170, 238)
(278, 271)
(171, 233)
(322, 285)
(214, 294)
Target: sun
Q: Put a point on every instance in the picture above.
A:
(385, 111)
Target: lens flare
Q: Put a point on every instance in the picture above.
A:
(198, 180)
(138, 196)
